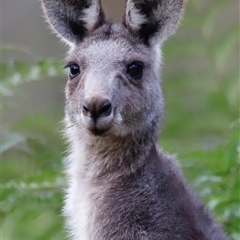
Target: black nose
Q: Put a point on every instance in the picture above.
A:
(95, 107)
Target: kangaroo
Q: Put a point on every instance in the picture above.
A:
(122, 186)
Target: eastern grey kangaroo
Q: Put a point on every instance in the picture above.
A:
(122, 186)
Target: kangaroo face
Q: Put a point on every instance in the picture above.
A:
(113, 84)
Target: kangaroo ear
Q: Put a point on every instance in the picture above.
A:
(71, 20)
(153, 20)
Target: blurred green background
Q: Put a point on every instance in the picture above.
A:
(201, 85)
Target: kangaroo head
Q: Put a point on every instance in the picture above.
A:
(113, 84)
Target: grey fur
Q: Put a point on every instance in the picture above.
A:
(121, 185)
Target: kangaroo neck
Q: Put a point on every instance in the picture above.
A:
(113, 156)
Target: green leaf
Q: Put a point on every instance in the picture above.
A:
(225, 47)
(19, 72)
(210, 17)
(10, 140)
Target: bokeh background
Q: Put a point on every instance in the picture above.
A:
(200, 79)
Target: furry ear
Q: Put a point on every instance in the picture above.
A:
(153, 20)
(71, 20)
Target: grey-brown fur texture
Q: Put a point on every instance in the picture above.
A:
(122, 186)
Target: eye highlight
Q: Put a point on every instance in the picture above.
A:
(74, 70)
(135, 70)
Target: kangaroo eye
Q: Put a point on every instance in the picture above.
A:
(135, 70)
(74, 70)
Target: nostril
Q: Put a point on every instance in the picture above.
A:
(85, 108)
(96, 108)
(106, 108)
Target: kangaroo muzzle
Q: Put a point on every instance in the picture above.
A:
(97, 114)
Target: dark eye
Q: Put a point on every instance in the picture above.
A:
(135, 70)
(74, 70)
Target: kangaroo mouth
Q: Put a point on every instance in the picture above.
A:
(98, 132)
(97, 126)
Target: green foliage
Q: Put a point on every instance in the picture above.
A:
(202, 125)
(19, 72)
(33, 183)
(217, 180)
